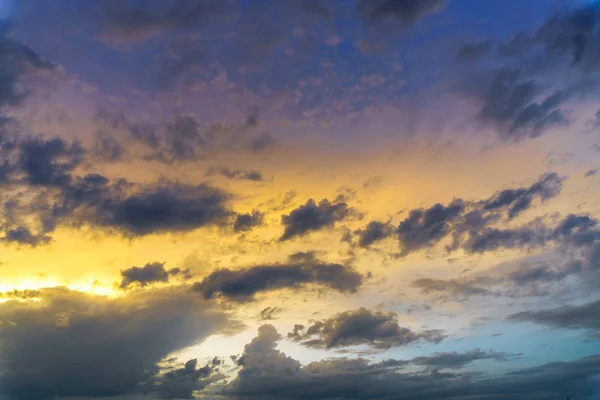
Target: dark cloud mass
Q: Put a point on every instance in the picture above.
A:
(136, 20)
(245, 222)
(268, 372)
(73, 344)
(313, 217)
(16, 61)
(143, 276)
(352, 328)
(407, 11)
(471, 223)
(374, 232)
(584, 316)
(244, 284)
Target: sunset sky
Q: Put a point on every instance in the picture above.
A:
(300, 199)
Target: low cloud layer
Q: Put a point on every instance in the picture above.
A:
(73, 344)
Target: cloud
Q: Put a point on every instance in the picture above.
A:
(268, 372)
(456, 360)
(245, 222)
(180, 383)
(583, 316)
(138, 21)
(591, 172)
(261, 142)
(138, 210)
(68, 343)
(542, 69)
(146, 275)
(252, 175)
(511, 105)
(424, 228)
(16, 61)
(453, 288)
(244, 284)
(107, 149)
(407, 11)
(379, 330)
(268, 313)
(518, 200)
(48, 162)
(312, 217)
(374, 232)
(471, 51)
(470, 223)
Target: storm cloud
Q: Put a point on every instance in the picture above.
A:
(125, 337)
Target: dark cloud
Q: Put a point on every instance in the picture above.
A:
(266, 372)
(470, 223)
(137, 20)
(456, 360)
(492, 239)
(268, 313)
(453, 288)
(69, 343)
(244, 284)
(374, 232)
(252, 175)
(16, 61)
(518, 200)
(591, 172)
(146, 275)
(407, 11)
(379, 330)
(474, 50)
(106, 148)
(424, 228)
(583, 316)
(23, 236)
(49, 162)
(245, 222)
(313, 217)
(180, 383)
(159, 208)
(261, 142)
(511, 104)
(543, 69)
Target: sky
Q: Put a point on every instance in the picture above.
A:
(299, 199)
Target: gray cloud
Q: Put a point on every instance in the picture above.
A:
(16, 61)
(135, 21)
(379, 330)
(244, 284)
(252, 175)
(374, 232)
(407, 11)
(313, 217)
(471, 51)
(510, 104)
(180, 383)
(456, 360)
(73, 344)
(453, 288)
(583, 316)
(245, 222)
(144, 276)
(469, 223)
(268, 313)
(268, 372)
